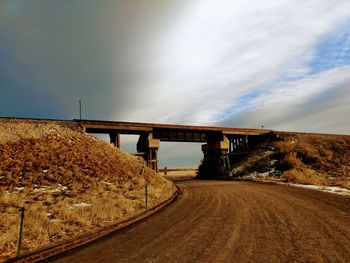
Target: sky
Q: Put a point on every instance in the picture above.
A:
(281, 64)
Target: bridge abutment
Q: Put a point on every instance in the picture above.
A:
(115, 138)
(148, 147)
(216, 157)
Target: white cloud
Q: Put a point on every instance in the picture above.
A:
(299, 91)
(317, 104)
(235, 62)
(215, 52)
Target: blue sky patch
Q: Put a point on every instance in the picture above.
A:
(332, 51)
(242, 104)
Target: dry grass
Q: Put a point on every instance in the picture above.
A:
(304, 176)
(179, 174)
(301, 158)
(69, 183)
(314, 158)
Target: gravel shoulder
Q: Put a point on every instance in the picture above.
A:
(218, 221)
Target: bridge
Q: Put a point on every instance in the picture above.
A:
(219, 142)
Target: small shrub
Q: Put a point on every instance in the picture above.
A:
(284, 147)
(290, 161)
(308, 157)
(303, 176)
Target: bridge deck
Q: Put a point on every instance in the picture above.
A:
(98, 126)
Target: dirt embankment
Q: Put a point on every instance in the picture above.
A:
(68, 181)
(300, 158)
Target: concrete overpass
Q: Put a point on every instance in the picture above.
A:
(219, 142)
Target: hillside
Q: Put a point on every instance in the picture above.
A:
(69, 183)
(302, 158)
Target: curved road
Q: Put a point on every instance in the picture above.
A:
(218, 221)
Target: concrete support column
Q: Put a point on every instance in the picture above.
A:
(216, 157)
(148, 148)
(115, 138)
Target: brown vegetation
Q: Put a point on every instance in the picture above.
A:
(301, 158)
(179, 174)
(68, 181)
(314, 158)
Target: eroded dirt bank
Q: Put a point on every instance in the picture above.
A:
(216, 221)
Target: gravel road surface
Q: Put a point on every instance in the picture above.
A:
(218, 221)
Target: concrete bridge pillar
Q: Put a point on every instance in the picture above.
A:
(147, 147)
(216, 157)
(115, 138)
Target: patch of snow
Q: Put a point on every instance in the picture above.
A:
(273, 161)
(337, 189)
(248, 176)
(41, 189)
(44, 189)
(79, 205)
(255, 175)
(329, 189)
(236, 170)
(264, 175)
(55, 220)
(45, 171)
(53, 191)
(271, 174)
(277, 172)
(306, 186)
(63, 187)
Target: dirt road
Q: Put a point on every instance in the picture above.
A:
(215, 221)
